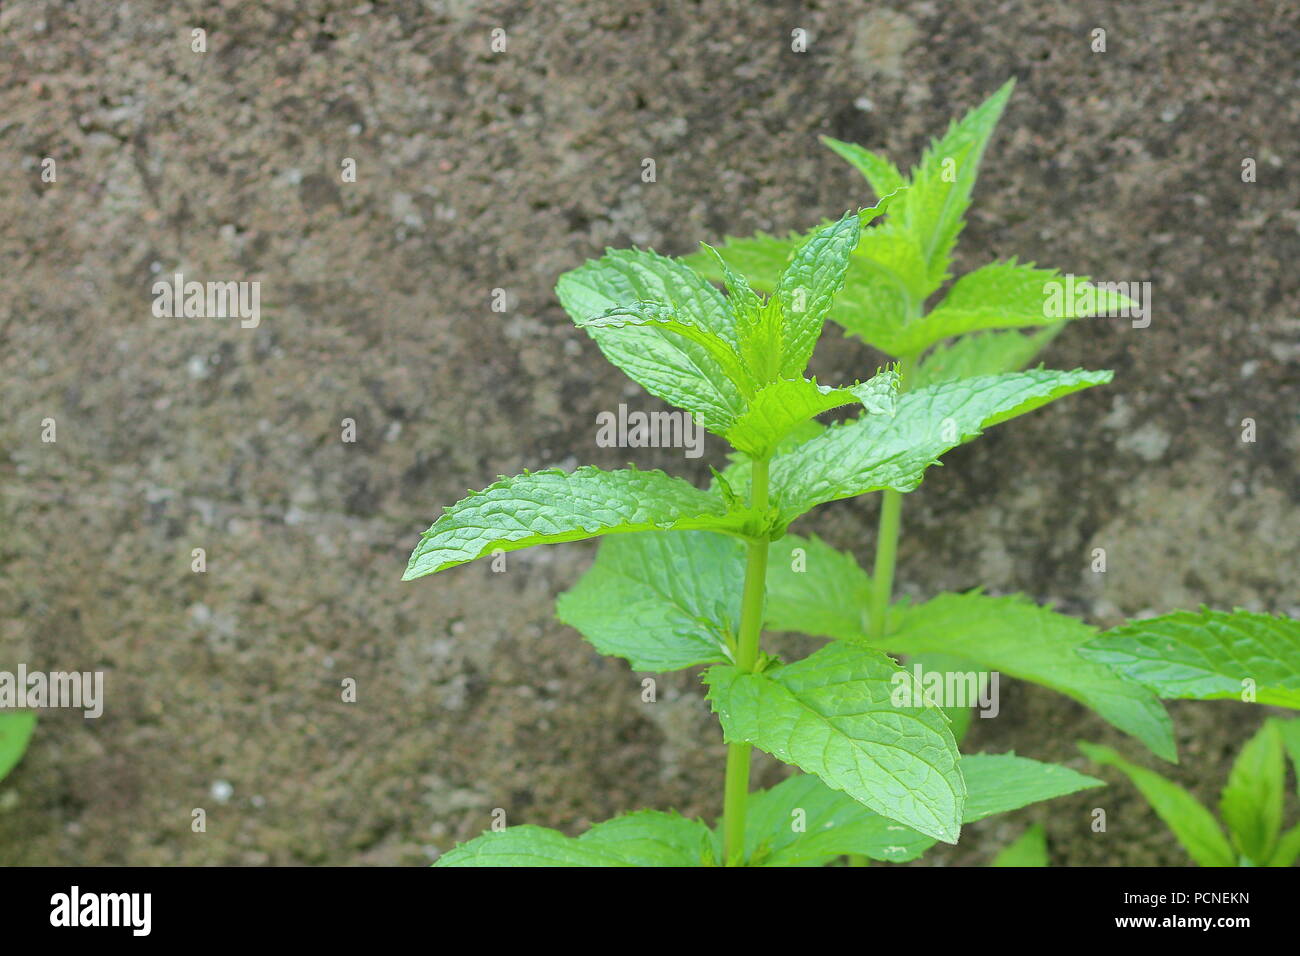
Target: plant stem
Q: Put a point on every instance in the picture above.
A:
(891, 511)
(882, 575)
(736, 793)
(735, 797)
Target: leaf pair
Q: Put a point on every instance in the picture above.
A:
(799, 822)
(817, 590)
(736, 363)
(670, 601)
(876, 451)
(1250, 803)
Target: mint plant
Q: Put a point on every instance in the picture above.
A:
(1250, 805)
(976, 329)
(688, 576)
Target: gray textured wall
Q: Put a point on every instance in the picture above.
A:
(478, 171)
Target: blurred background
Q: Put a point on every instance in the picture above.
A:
(479, 170)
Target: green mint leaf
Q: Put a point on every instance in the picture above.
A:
(939, 191)
(680, 371)
(525, 846)
(1288, 848)
(1251, 802)
(1006, 295)
(1000, 783)
(1186, 817)
(802, 822)
(831, 714)
(741, 297)
(1012, 294)
(761, 331)
(1029, 849)
(986, 353)
(814, 589)
(1210, 655)
(809, 285)
(1023, 640)
(16, 727)
(965, 674)
(779, 407)
(662, 600)
(666, 318)
(879, 394)
(653, 838)
(622, 276)
(645, 838)
(761, 258)
(751, 388)
(549, 507)
(782, 410)
(882, 175)
(885, 287)
(878, 452)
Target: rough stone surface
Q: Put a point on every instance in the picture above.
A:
(479, 171)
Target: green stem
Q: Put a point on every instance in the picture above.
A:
(736, 793)
(736, 796)
(882, 580)
(891, 512)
